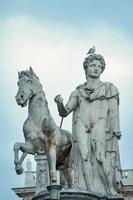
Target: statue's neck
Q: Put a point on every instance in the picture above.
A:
(38, 100)
(37, 97)
(93, 83)
(39, 112)
(38, 108)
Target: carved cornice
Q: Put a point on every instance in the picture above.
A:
(24, 191)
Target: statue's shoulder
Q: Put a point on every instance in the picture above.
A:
(111, 89)
(78, 90)
(80, 86)
(75, 93)
(111, 86)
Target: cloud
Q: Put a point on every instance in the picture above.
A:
(56, 53)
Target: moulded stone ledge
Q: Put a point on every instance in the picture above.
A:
(75, 194)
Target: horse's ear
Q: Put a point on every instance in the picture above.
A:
(19, 74)
(31, 70)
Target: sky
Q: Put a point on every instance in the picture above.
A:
(53, 36)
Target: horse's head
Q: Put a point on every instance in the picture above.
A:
(29, 86)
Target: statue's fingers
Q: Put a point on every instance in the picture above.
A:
(56, 97)
(60, 99)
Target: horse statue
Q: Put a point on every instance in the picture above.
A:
(40, 131)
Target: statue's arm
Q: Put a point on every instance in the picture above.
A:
(60, 105)
(70, 106)
(114, 116)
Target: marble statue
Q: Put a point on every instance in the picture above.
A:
(95, 129)
(40, 131)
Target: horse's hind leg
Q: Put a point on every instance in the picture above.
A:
(67, 176)
(66, 170)
(25, 148)
(52, 164)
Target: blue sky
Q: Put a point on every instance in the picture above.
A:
(53, 37)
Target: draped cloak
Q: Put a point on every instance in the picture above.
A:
(104, 91)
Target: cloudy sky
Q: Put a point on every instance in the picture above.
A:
(53, 36)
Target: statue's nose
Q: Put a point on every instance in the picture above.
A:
(96, 69)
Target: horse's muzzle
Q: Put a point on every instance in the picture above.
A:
(20, 101)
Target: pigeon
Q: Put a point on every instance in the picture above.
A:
(91, 50)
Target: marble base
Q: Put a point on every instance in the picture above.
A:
(75, 194)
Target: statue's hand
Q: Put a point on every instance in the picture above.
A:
(61, 108)
(117, 134)
(58, 99)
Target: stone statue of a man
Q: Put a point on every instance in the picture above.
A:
(95, 106)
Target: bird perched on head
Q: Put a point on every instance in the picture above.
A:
(91, 50)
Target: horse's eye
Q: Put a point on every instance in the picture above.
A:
(18, 83)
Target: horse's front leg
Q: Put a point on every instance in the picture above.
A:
(16, 148)
(23, 157)
(52, 164)
(25, 148)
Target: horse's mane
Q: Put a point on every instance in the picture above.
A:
(31, 76)
(29, 73)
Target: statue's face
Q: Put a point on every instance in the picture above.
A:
(94, 69)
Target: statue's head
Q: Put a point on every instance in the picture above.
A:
(28, 86)
(91, 58)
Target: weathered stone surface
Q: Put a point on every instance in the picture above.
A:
(42, 173)
(75, 194)
(25, 192)
(40, 131)
(95, 151)
(94, 160)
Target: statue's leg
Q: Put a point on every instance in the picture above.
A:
(51, 153)
(67, 171)
(113, 174)
(99, 135)
(25, 148)
(84, 144)
(67, 175)
(104, 173)
(16, 149)
(23, 157)
(88, 174)
(111, 189)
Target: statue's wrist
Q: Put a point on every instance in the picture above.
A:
(62, 111)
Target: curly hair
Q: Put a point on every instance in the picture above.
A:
(92, 57)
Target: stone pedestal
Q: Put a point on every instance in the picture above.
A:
(42, 172)
(75, 194)
(54, 191)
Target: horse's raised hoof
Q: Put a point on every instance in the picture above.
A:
(53, 178)
(19, 169)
